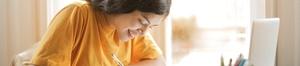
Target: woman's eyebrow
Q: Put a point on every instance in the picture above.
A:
(146, 19)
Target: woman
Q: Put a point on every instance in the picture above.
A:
(103, 33)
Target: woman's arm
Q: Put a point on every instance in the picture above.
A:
(155, 62)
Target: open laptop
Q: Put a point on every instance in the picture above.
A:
(264, 42)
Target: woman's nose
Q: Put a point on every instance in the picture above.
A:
(143, 30)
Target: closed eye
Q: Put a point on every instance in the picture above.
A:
(141, 22)
(147, 20)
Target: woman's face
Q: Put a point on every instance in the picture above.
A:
(135, 23)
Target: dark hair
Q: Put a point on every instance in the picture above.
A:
(160, 7)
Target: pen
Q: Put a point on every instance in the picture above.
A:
(117, 60)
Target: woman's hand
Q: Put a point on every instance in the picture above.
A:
(157, 62)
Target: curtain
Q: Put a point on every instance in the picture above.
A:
(22, 23)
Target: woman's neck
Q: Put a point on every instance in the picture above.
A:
(110, 19)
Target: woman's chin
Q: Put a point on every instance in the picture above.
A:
(125, 38)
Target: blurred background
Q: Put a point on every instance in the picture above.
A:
(197, 32)
(205, 30)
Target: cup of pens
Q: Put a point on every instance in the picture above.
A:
(240, 61)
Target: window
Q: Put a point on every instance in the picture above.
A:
(205, 30)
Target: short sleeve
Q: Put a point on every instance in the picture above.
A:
(57, 43)
(144, 48)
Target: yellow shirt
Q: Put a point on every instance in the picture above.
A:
(80, 36)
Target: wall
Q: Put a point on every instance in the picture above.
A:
(3, 33)
(22, 24)
(288, 51)
(297, 32)
(258, 9)
(271, 8)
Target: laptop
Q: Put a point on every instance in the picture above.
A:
(264, 42)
